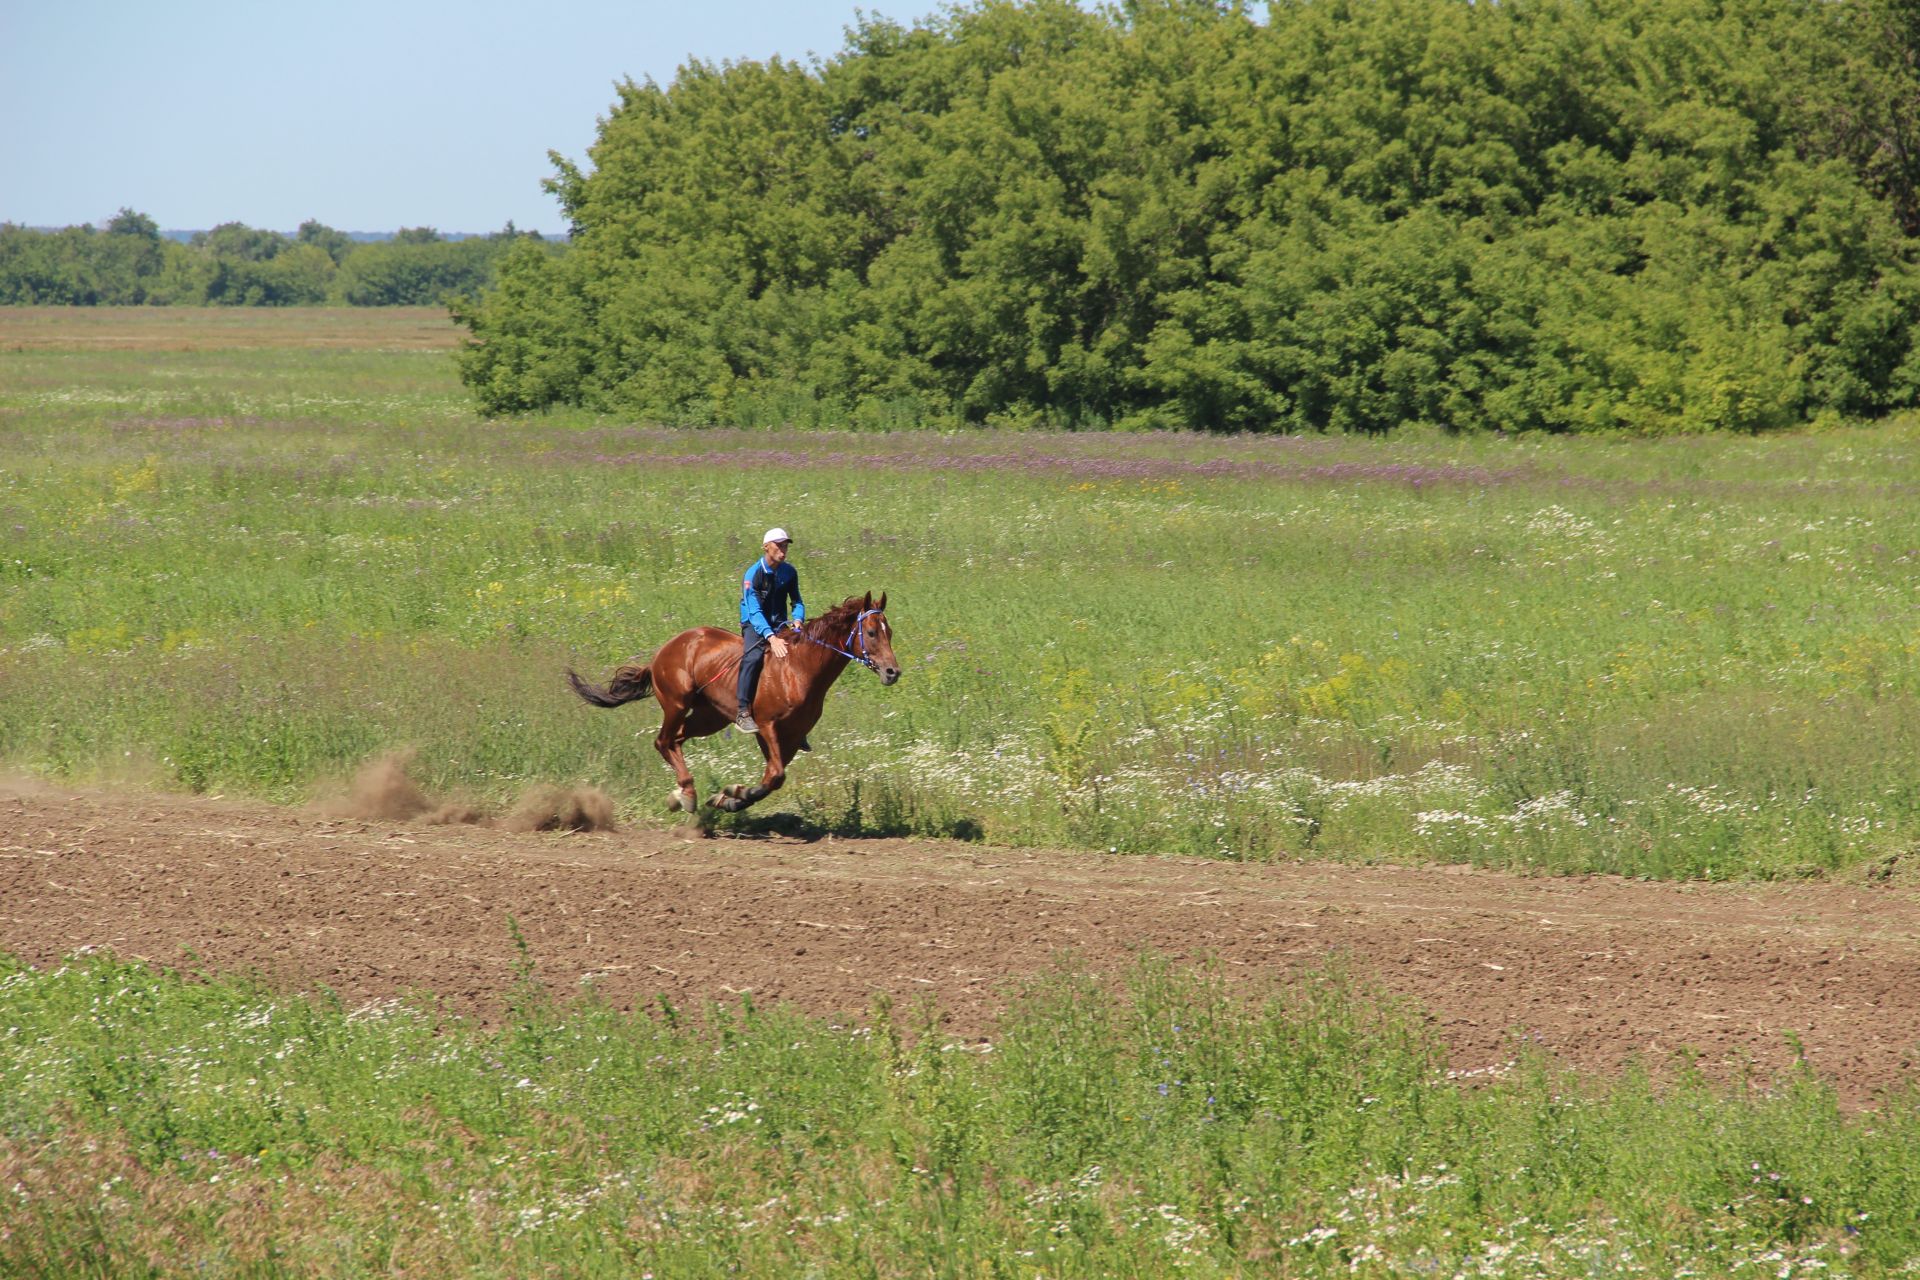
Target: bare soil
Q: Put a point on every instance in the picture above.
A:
(1598, 971)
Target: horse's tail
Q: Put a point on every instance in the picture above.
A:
(630, 683)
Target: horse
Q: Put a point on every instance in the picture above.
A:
(694, 675)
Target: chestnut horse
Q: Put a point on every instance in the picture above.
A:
(695, 676)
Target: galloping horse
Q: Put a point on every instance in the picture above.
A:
(692, 676)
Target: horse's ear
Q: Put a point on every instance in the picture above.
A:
(883, 602)
(868, 604)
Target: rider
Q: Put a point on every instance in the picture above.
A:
(770, 582)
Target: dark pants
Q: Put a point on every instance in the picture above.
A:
(751, 659)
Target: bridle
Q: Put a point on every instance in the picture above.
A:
(856, 639)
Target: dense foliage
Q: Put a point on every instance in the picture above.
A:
(1349, 214)
(130, 263)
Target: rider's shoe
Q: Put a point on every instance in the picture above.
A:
(744, 722)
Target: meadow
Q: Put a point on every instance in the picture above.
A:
(240, 561)
(152, 1124)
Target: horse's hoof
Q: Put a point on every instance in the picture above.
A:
(681, 802)
(738, 791)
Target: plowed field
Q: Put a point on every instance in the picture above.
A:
(1597, 970)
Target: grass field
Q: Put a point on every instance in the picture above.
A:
(250, 564)
(151, 1125)
(73, 329)
(245, 552)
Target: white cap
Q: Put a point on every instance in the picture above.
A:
(776, 535)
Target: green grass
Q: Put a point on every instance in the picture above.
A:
(151, 1124)
(248, 568)
(251, 566)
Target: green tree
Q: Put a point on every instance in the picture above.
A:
(524, 354)
(418, 273)
(337, 244)
(236, 241)
(129, 223)
(1672, 215)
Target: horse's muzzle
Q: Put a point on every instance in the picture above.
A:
(888, 674)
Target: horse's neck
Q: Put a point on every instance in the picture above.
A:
(821, 664)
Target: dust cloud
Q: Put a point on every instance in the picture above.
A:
(551, 808)
(384, 790)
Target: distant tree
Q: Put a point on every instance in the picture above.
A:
(130, 262)
(184, 277)
(298, 276)
(78, 266)
(302, 275)
(29, 268)
(338, 244)
(511, 232)
(415, 273)
(240, 242)
(129, 223)
(131, 256)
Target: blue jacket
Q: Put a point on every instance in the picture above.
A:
(764, 593)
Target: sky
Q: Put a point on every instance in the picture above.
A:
(367, 116)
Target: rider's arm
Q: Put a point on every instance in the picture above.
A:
(799, 605)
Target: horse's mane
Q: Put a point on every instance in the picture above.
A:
(837, 619)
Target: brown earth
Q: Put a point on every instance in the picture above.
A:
(1597, 970)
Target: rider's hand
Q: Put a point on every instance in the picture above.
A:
(779, 646)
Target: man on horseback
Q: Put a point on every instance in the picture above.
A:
(770, 583)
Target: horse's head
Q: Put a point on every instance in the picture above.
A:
(873, 639)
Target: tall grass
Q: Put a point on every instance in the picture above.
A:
(155, 1125)
(246, 569)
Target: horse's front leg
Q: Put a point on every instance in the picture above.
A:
(672, 735)
(740, 796)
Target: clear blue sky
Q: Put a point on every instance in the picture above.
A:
(367, 116)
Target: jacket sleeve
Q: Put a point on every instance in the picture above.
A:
(799, 605)
(750, 613)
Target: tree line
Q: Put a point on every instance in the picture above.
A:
(129, 263)
(1561, 215)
